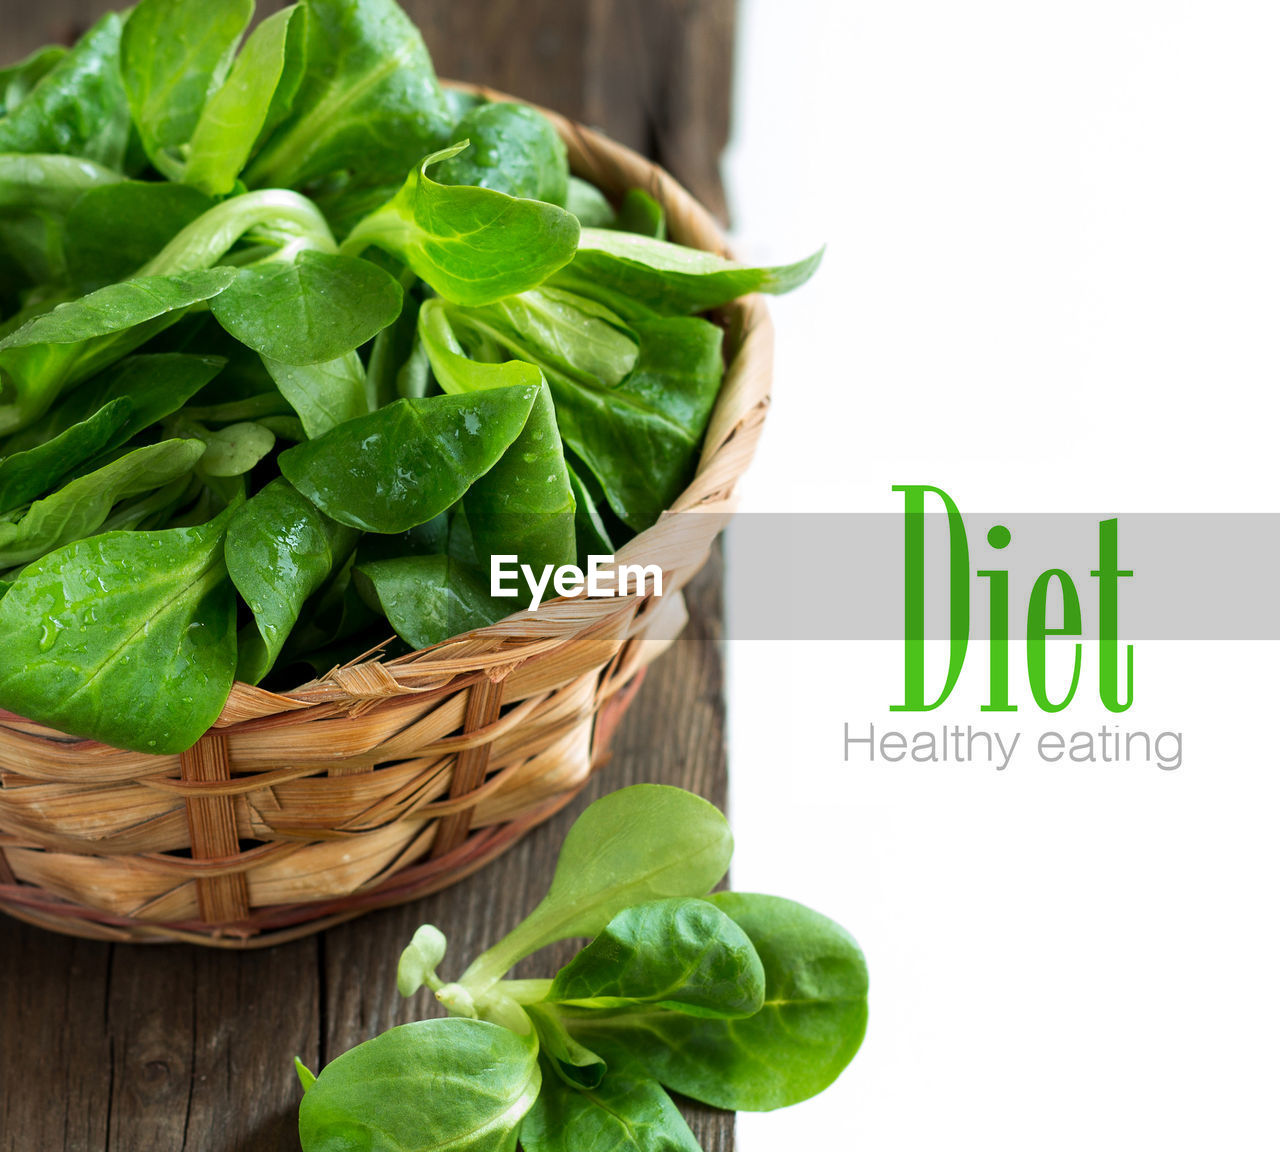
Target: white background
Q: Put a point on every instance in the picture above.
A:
(1052, 283)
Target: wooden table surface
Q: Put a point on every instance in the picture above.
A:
(174, 1048)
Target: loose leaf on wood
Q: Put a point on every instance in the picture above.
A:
(647, 842)
(622, 1114)
(434, 1086)
(154, 385)
(103, 624)
(810, 1027)
(681, 954)
(406, 463)
(280, 550)
(472, 245)
(172, 55)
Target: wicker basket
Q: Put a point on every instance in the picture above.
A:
(385, 780)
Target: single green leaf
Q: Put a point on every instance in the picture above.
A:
(36, 194)
(172, 55)
(369, 102)
(570, 1061)
(128, 638)
(407, 462)
(471, 245)
(559, 331)
(305, 1076)
(621, 1114)
(280, 550)
(276, 214)
(420, 959)
(114, 230)
(261, 86)
(523, 506)
(456, 372)
(235, 449)
(154, 386)
(682, 954)
(589, 526)
(640, 440)
(642, 214)
(323, 395)
(428, 599)
(24, 475)
(309, 310)
(646, 842)
(78, 108)
(810, 1027)
(17, 81)
(669, 278)
(75, 340)
(514, 149)
(48, 182)
(589, 204)
(80, 506)
(434, 1086)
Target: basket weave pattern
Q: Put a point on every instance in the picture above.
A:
(385, 780)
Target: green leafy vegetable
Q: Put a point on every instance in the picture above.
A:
(76, 339)
(427, 599)
(621, 1114)
(310, 310)
(97, 626)
(494, 362)
(82, 505)
(257, 94)
(78, 107)
(685, 955)
(113, 230)
(368, 104)
(811, 1025)
(433, 1086)
(323, 395)
(513, 150)
(472, 245)
(168, 76)
(402, 465)
(280, 549)
(24, 475)
(748, 1002)
(670, 279)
